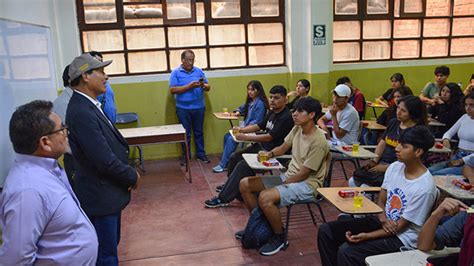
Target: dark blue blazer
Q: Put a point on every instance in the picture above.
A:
(102, 173)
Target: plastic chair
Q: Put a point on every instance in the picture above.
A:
(127, 118)
(316, 201)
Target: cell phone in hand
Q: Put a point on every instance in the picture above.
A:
(201, 80)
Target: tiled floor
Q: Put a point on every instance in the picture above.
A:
(166, 222)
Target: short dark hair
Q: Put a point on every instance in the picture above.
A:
(442, 70)
(403, 90)
(28, 124)
(416, 109)
(305, 83)
(468, 96)
(343, 80)
(418, 136)
(278, 89)
(95, 53)
(308, 104)
(66, 76)
(183, 54)
(76, 82)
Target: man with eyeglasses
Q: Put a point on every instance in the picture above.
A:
(41, 218)
(188, 84)
(103, 177)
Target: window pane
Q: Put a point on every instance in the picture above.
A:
(396, 9)
(375, 50)
(138, 15)
(437, 8)
(406, 49)
(227, 57)
(105, 40)
(99, 11)
(413, 6)
(462, 46)
(433, 48)
(186, 36)
(376, 29)
(463, 7)
(265, 55)
(37, 44)
(225, 8)
(118, 64)
(147, 61)
(178, 9)
(346, 30)
(377, 7)
(145, 38)
(463, 26)
(346, 7)
(265, 32)
(406, 28)
(200, 59)
(264, 8)
(436, 27)
(226, 34)
(346, 51)
(199, 12)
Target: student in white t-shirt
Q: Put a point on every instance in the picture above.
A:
(344, 117)
(407, 196)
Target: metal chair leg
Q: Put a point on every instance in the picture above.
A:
(321, 211)
(311, 213)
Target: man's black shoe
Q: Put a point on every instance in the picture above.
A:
(239, 234)
(219, 188)
(203, 159)
(276, 243)
(215, 202)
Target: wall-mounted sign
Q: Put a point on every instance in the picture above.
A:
(319, 34)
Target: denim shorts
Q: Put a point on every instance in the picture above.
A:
(289, 193)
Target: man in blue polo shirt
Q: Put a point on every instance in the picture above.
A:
(188, 84)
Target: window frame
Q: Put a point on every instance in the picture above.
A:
(244, 20)
(362, 16)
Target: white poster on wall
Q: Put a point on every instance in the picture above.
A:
(26, 74)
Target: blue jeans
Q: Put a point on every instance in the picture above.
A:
(193, 119)
(108, 233)
(229, 148)
(443, 169)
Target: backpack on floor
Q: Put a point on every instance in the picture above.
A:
(257, 231)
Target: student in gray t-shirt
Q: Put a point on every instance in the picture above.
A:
(344, 117)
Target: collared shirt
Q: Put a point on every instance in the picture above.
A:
(94, 102)
(193, 98)
(41, 218)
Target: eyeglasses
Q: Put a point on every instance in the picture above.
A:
(63, 130)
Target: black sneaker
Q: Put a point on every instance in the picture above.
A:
(219, 188)
(276, 243)
(215, 202)
(239, 234)
(203, 159)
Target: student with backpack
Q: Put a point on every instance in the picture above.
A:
(306, 172)
(407, 196)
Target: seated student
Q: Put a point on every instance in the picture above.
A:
(410, 112)
(277, 124)
(344, 117)
(451, 233)
(391, 112)
(356, 98)
(433, 89)
(301, 91)
(447, 108)
(253, 110)
(304, 175)
(463, 129)
(469, 86)
(408, 193)
(397, 81)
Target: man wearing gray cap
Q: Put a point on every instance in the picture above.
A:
(103, 178)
